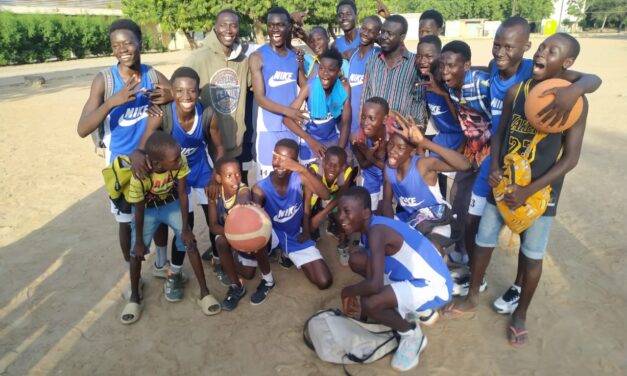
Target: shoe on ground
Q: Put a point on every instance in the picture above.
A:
(458, 257)
(174, 287)
(207, 255)
(407, 356)
(163, 272)
(428, 317)
(285, 261)
(344, 254)
(462, 285)
(507, 303)
(233, 296)
(260, 295)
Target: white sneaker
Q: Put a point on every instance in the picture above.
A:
(462, 285)
(344, 255)
(407, 356)
(507, 303)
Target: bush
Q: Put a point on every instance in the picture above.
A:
(33, 38)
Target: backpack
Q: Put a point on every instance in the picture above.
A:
(117, 177)
(339, 339)
(97, 136)
(517, 170)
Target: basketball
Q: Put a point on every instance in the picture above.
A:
(247, 228)
(535, 103)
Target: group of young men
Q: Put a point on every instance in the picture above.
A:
(362, 133)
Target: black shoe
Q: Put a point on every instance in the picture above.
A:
(285, 261)
(233, 297)
(262, 292)
(207, 255)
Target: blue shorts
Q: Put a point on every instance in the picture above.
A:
(481, 187)
(533, 241)
(169, 214)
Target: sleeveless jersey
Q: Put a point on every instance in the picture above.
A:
(194, 148)
(519, 134)
(342, 45)
(499, 88)
(224, 206)
(125, 124)
(356, 72)
(373, 175)
(332, 186)
(450, 132)
(321, 129)
(280, 77)
(286, 212)
(412, 192)
(417, 261)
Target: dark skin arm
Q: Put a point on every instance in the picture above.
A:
(370, 155)
(309, 180)
(347, 113)
(187, 236)
(569, 159)
(378, 239)
(315, 221)
(214, 226)
(314, 144)
(386, 207)
(216, 138)
(259, 197)
(433, 86)
(305, 233)
(139, 249)
(140, 165)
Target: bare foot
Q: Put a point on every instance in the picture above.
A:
(517, 332)
(463, 307)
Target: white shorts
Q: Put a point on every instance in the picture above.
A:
(121, 217)
(374, 200)
(305, 256)
(410, 299)
(242, 260)
(201, 198)
(440, 230)
(477, 205)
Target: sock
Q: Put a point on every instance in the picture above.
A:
(161, 256)
(268, 278)
(175, 269)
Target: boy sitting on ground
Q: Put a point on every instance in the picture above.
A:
(161, 198)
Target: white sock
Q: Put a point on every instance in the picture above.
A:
(516, 287)
(175, 269)
(161, 256)
(268, 278)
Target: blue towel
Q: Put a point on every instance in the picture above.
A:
(321, 105)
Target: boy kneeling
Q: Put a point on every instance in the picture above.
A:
(159, 198)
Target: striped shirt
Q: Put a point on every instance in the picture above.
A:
(397, 85)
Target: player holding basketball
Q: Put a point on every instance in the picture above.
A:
(281, 196)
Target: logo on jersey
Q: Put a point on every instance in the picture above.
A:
(410, 201)
(224, 90)
(188, 151)
(497, 106)
(281, 78)
(285, 215)
(436, 110)
(132, 116)
(356, 79)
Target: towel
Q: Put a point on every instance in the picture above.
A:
(323, 105)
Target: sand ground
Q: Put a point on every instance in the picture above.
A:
(63, 273)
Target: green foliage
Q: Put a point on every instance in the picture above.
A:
(32, 38)
(533, 10)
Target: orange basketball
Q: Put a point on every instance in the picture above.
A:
(247, 228)
(535, 103)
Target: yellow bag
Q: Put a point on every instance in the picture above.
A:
(517, 170)
(117, 177)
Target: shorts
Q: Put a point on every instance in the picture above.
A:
(481, 187)
(264, 146)
(169, 214)
(533, 241)
(299, 257)
(444, 230)
(374, 200)
(411, 298)
(201, 198)
(477, 205)
(119, 216)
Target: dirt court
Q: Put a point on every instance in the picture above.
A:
(63, 274)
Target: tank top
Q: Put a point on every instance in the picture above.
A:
(342, 45)
(223, 206)
(280, 77)
(412, 192)
(373, 175)
(519, 134)
(321, 129)
(356, 73)
(194, 148)
(451, 133)
(125, 124)
(499, 88)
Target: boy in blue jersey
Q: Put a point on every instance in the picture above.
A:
(124, 113)
(161, 199)
(327, 100)
(187, 124)
(346, 17)
(370, 145)
(404, 274)
(275, 77)
(282, 197)
(413, 181)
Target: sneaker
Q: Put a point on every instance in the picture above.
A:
(507, 303)
(222, 277)
(207, 255)
(163, 272)
(285, 261)
(407, 356)
(458, 257)
(233, 297)
(461, 285)
(173, 287)
(259, 296)
(342, 249)
(428, 317)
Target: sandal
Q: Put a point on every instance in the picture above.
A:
(132, 309)
(209, 305)
(515, 336)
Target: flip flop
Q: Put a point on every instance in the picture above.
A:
(209, 305)
(450, 311)
(134, 310)
(516, 336)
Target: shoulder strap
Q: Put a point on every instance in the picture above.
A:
(207, 114)
(306, 338)
(152, 74)
(108, 81)
(167, 120)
